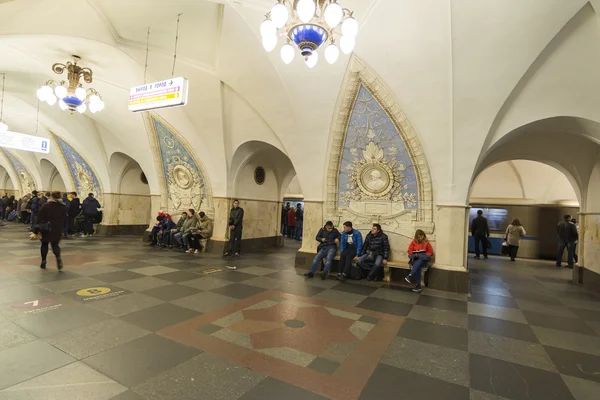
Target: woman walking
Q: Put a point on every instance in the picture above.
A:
(50, 222)
(514, 233)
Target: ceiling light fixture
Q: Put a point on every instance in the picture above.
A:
(308, 24)
(71, 95)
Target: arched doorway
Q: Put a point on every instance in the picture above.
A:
(51, 178)
(260, 175)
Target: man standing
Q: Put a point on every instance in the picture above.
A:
(375, 252)
(236, 217)
(567, 235)
(481, 233)
(90, 208)
(328, 238)
(35, 208)
(350, 246)
(3, 205)
(299, 221)
(73, 210)
(44, 199)
(284, 217)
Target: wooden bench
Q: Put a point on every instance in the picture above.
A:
(387, 273)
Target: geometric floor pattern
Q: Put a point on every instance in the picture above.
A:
(125, 321)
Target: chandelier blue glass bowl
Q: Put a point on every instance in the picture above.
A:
(307, 26)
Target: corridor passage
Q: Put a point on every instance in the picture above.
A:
(126, 321)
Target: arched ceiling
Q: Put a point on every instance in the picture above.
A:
(465, 72)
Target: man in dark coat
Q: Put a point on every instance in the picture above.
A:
(54, 213)
(481, 233)
(90, 208)
(73, 210)
(328, 238)
(567, 235)
(236, 218)
(375, 253)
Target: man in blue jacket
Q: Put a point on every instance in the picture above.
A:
(328, 238)
(350, 246)
(90, 208)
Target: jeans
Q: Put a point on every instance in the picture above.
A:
(33, 219)
(178, 238)
(417, 266)
(346, 259)
(186, 239)
(570, 246)
(154, 234)
(483, 241)
(326, 252)
(235, 240)
(375, 268)
(165, 237)
(299, 224)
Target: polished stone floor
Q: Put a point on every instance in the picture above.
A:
(125, 321)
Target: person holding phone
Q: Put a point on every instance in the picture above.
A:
(419, 254)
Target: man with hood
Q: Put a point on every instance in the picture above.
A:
(90, 208)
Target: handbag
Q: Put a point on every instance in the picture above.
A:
(44, 227)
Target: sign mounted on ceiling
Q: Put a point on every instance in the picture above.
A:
(20, 141)
(168, 93)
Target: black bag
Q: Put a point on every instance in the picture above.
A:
(44, 227)
(371, 257)
(488, 243)
(355, 272)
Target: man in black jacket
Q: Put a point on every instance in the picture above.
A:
(375, 253)
(481, 233)
(299, 221)
(328, 238)
(35, 208)
(567, 235)
(236, 217)
(73, 210)
(90, 208)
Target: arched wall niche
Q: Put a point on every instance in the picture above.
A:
(126, 175)
(6, 183)
(377, 171)
(51, 178)
(261, 201)
(26, 182)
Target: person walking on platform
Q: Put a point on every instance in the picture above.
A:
(480, 232)
(514, 233)
(567, 236)
(50, 222)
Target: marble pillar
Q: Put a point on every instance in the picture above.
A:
(124, 214)
(588, 270)
(449, 271)
(313, 221)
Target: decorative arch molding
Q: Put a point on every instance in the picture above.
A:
(25, 179)
(183, 179)
(403, 201)
(83, 177)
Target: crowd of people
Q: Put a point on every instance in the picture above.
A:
(292, 221)
(370, 255)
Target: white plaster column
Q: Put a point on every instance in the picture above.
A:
(589, 241)
(110, 209)
(222, 206)
(451, 237)
(313, 221)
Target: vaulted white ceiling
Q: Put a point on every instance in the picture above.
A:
(465, 72)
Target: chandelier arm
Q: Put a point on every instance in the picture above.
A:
(59, 68)
(87, 75)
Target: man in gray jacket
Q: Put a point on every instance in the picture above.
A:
(236, 217)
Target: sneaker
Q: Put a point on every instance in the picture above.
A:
(197, 252)
(59, 264)
(309, 274)
(417, 290)
(236, 255)
(83, 235)
(43, 265)
(342, 277)
(226, 254)
(189, 251)
(323, 276)
(407, 279)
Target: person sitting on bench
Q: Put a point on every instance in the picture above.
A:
(350, 246)
(328, 238)
(203, 232)
(419, 254)
(375, 253)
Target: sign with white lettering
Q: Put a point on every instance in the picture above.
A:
(20, 141)
(169, 93)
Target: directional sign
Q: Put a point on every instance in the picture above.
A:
(20, 141)
(169, 93)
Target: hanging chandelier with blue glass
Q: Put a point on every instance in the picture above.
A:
(307, 25)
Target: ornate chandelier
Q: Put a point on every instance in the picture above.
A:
(71, 95)
(307, 25)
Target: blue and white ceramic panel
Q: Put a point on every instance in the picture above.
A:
(371, 132)
(84, 177)
(25, 178)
